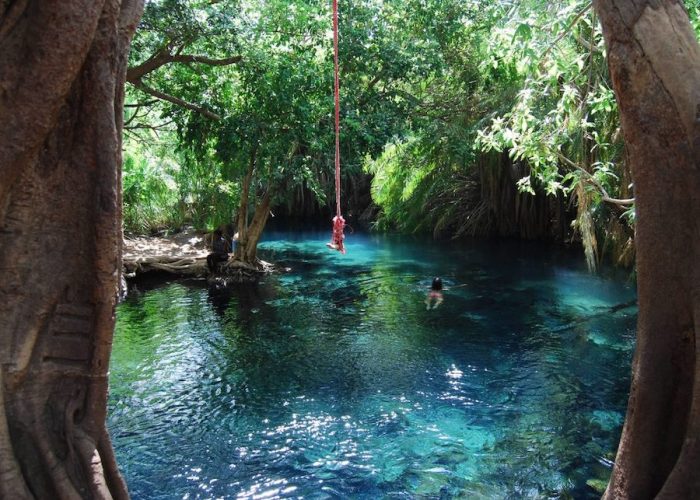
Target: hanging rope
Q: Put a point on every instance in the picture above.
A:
(338, 222)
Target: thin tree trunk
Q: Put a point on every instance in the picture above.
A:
(654, 61)
(243, 206)
(62, 69)
(257, 225)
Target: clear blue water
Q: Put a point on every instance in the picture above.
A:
(332, 380)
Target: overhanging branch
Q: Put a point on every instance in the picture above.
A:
(135, 74)
(206, 60)
(163, 57)
(177, 101)
(566, 31)
(625, 203)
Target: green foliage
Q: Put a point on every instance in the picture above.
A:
(531, 83)
(164, 188)
(276, 105)
(565, 116)
(187, 27)
(424, 182)
(693, 7)
(207, 198)
(396, 175)
(435, 94)
(149, 193)
(564, 123)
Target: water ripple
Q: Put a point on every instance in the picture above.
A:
(333, 381)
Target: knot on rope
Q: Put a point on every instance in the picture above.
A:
(337, 239)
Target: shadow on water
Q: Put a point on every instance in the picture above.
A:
(333, 380)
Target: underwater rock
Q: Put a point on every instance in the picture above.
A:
(429, 483)
(394, 424)
(598, 339)
(393, 470)
(598, 485)
(607, 420)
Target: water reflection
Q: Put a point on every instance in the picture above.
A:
(332, 380)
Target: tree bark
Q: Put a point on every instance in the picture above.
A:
(654, 61)
(62, 70)
(249, 251)
(164, 56)
(243, 206)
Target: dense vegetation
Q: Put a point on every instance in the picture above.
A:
(460, 118)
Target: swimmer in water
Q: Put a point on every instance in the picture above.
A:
(434, 297)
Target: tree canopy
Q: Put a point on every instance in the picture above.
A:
(446, 105)
(458, 113)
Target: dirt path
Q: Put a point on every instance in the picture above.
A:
(182, 253)
(182, 245)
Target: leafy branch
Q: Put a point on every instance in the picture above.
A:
(164, 56)
(177, 101)
(566, 31)
(135, 75)
(625, 203)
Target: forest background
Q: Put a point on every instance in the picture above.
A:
(458, 118)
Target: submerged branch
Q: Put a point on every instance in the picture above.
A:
(604, 312)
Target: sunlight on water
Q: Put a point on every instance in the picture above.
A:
(332, 380)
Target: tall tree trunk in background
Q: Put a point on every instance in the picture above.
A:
(654, 61)
(249, 250)
(62, 68)
(243, 206)
(249, 231)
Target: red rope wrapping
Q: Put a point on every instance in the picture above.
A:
(338, 236)
(338, 221)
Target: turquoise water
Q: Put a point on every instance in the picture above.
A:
(332, 380)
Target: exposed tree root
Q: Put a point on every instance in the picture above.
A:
(165, 263)
(185, 254)
(235, 271)
(226, 274)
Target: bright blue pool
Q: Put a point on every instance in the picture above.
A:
(332, 380)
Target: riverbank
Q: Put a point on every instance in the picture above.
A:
(183, 253)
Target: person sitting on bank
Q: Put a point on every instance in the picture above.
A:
(234, 242)
(219, 252)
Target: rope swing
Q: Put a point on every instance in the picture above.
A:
(338, 237)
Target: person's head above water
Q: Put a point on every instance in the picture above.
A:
(437, 284)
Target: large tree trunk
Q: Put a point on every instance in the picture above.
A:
(654, 61)
(62, 67)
